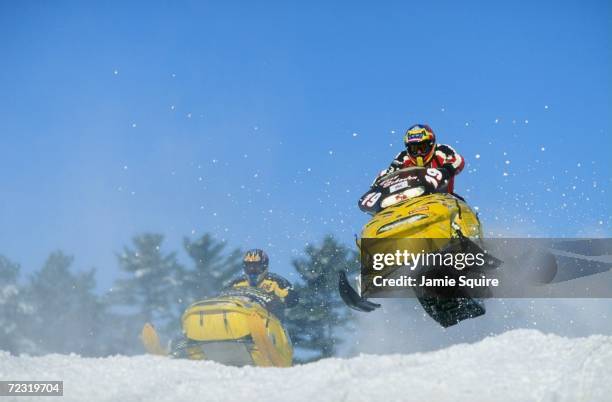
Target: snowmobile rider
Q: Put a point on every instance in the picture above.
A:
(422, 150)
(256, 274)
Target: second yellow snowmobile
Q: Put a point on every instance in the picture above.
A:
(234, 328)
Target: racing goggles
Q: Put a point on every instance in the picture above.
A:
(254, 268)
(419, 148)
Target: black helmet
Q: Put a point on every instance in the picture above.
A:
(255, 265)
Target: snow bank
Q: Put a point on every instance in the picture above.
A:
(521, 365)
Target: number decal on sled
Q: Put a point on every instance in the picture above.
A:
(370, 200)
(433, 177)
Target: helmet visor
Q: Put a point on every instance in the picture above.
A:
(254, 268)
(419, 148)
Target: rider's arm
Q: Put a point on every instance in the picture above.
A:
(284, 290)
(292, 298)
(396, 164)
(453, 162)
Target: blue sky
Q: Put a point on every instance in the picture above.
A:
(263, 122)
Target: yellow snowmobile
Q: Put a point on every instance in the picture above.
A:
(411, 204)
(234, 328)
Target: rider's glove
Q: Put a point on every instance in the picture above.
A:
(447, 171)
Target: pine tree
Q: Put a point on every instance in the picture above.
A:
(10, 310)
(213, 267)
(150, 292)
(315, 323)
(66, 315)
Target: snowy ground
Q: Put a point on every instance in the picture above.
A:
(521, 365)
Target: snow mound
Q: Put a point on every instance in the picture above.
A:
(520, 365)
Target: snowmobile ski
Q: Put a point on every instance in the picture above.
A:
(351, 297)
(150, 341)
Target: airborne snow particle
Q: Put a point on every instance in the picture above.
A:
(477, 156)
(133, 125)
(545, 106)
(543, 149)
(172, 107)
(526, 121)
(116, 72)
(331, 152)
(355, 134)
(507, 162)
(496, 121)
(505, 173)
(467, 123)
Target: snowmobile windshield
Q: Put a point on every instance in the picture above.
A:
(247, 292)
(414, 176)
(396, 187)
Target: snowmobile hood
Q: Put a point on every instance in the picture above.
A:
(427, 217)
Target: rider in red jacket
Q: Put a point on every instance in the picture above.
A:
(422, 150)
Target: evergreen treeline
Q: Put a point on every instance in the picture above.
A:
(57, 310)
